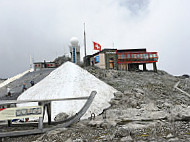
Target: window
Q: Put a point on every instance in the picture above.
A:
(138, 56)
(135, 55)
(146, 56)
(128, 56)
(119, 56)
(125, 56)
(132, 56)
(141, 56)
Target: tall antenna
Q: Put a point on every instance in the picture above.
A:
(85, 60)
(84, 41)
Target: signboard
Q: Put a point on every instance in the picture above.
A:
(20, 112)
(97, 59)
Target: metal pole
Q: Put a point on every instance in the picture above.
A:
(84, 46)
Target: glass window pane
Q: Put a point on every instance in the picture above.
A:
(128, 55)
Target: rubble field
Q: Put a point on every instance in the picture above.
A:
(147, 107)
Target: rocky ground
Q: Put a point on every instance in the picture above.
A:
(146, 108)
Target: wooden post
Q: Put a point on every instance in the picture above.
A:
(49, 112)
(144, 66)
(40, 123)
(9, 121)
(154, 67)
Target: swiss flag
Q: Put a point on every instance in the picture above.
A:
(97, 46)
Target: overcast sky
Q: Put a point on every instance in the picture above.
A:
(43, 28)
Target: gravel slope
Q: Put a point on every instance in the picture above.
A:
(148, 108)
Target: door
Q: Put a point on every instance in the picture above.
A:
(111, 63)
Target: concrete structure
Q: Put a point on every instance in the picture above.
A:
(127, 59)
(41, 65)
(75, 50)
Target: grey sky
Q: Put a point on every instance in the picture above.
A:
(43, 28)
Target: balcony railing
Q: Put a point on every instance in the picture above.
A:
(137, 57)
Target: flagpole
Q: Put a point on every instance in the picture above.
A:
(85, 47)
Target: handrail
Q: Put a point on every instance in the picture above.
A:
(61, 124)
(3, 102)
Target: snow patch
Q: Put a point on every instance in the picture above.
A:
(68, 81)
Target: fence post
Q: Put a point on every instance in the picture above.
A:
(49, 112)
(40, 123)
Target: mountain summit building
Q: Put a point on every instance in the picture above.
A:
(126, 59)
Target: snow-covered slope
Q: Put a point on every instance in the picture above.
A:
(69, 80)
(14, 78)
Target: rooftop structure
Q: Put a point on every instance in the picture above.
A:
(41, 65)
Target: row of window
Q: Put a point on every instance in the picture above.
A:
(133, 59)
(48, 65)
(137, 56)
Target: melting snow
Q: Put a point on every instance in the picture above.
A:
(67, 81)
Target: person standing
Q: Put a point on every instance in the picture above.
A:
(24, 87)
(8, 91)
(32, 83)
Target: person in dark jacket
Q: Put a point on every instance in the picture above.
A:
(8, 91)
(32, 83)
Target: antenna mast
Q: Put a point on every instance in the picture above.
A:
(85, 60)
(84, 41)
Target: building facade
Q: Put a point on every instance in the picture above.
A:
(105, 59)
(41, 65)
(128, 59)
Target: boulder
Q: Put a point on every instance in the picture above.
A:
(95, 123)
(169, 136)
(126, 139)
(138, 90)
(114, 102)
(108, 124)
(61, 116)
(118, 95)
(69, 140)
(121, 132)
(128, 93)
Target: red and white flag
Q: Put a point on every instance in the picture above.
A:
(97, 46)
